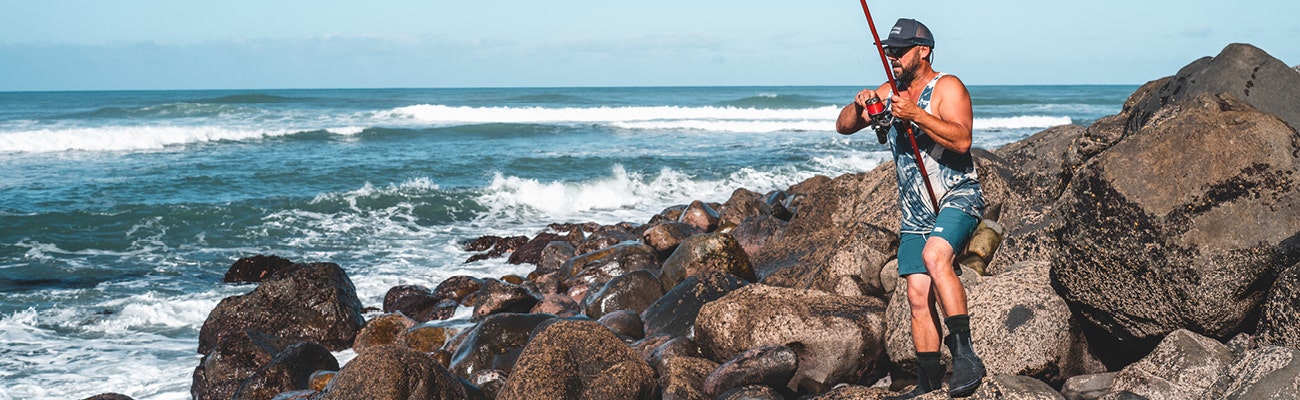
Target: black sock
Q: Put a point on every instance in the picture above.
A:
(958, 323)
(929, 361)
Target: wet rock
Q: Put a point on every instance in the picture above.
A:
(495, 343)
(665, 237)
(579, 359)
(1280, 323)
(489, 381)
(1090, 386)
(604, 238)
(255, 268)
(418, 303)
(1269, 372)
(554, 254)
(1149, 246)
(676, 347)
(319, 379)
(426, 338)
(458, 288)
(1022, 327)
(743, 204)
(1184, 366)
(531, 252)
(308, 302)
(236, 357)
(625, 323)
(560, 305)
(598, 267)
(838, 339)
(109, 396)
(700, 215)
(752, 392)
(295, 395)
(496, 246)
(393, 372)
(291, 369)
(675, 312)
(707, 252)
(634, 291)
(501, 297)
(381, 330)
(682, 378)
(770, 365)
(754, 232)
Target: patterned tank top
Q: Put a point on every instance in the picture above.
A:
(952, 174)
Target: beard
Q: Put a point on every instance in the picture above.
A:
(907, 76)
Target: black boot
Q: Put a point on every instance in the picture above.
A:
(926, 381)
(967, 369)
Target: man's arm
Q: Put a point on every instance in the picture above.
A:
(952, 126)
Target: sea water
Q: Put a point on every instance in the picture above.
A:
(121, 211)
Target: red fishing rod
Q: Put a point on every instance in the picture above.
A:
(916, 151)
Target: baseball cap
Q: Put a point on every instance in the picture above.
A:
(909, 32)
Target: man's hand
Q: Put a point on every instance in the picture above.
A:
(904, 108)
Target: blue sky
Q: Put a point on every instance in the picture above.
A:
(237, 44)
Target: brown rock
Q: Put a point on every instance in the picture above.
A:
(1280, 323)
(308, 302)
(634, 291)
(458, 288)
(255, 268)
(771, 365)
(291, 369)
(707, 252)
(598, 267)
(665, 237)
(426, 338)
(382, 330)
(576, 359)
(560, 305)
(743, 204)
(554, 255)
(1184, 366)
(682, 378)
(495, 343)
(501, 297)
(394, 372)
(320, 379)
(700, 215)
(674, 314)
(625, 323)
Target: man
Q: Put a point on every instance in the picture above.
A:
(938, 109)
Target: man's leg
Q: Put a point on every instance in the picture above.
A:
(925, 336)
(939, 254)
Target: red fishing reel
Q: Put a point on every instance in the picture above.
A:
(880, 118)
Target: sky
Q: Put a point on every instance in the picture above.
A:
(52, 45)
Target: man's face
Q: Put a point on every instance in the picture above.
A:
(905, 62)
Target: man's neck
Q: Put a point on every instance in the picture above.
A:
(923, 77)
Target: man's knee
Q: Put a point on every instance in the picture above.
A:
(918, 295)
(937, 252)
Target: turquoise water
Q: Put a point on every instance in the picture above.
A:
(121, 211)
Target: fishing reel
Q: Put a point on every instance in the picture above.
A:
(880, 118)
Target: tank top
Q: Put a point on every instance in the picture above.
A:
(952, 174)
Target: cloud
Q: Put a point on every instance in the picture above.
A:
(1197, 32)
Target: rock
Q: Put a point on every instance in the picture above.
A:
(701, 216)
(381, 330)
(625, 323)
(319, 379)
(401, 295)
(290, 370)
(531, 252)
(255, 268)
(109, 396)
(458, 288)
(1269, 372)
(1022, 327)
(751, 392)
(1042, 167)
(770, 365)
(634, 291)
(1241, 344)
(560, 305)
(707, 252)
(236, 357)
(1009, 387)
(1243, 71)
(489, 381)
(854, 392)
(554, 255)
(742, 205)
(682, 377)
(677, 347)
(674, 314)
(665, 237)
(604, 238)
(418, 303)
(495, 343)
(1184, 366)
(598, 267)
(308, 302)
(898, 328)
(1280, 323)
(755, 232)
(393, 372)
(1149, 245)
(501, 297)
(426, 338)
(1087, 387)
(838, 339)
(295, 395)
(577, 359)
(496, 246)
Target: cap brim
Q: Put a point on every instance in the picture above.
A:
(896, 43)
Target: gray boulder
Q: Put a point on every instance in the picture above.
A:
(838, 338)
(1184, 366)
(701, 253)
(306, 302)
(1088, 387)
(1270, 372)
(1280, 323)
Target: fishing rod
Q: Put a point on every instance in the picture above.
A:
(916, 151)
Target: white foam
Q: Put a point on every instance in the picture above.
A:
(1021, 122)
(123, 138)
(346, 130)
(442, 114)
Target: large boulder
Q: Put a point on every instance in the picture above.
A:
(502, 297)
(838, 338)
(707, 252)
(598, 267)
(682, 377)
(1184, 366)
(393, 372)
(633, 291)
(1269, 372)
(1022, 327)
(675, 312)
(290, 370)
(495, 343)
(307, 302)
(770, 365)
(898, 326)
(1280, 323)
(579, 359)
(1151, 242)
(1043, 165)
(234, 359)
(255, 268)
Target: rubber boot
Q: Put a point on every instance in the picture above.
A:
(926, 382)
(967, 369)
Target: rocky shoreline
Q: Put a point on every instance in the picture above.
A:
(1154, 254)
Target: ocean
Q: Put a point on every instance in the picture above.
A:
(121, 211)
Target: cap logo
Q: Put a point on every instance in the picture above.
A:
(898, 30)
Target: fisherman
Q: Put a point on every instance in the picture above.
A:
(936, 108)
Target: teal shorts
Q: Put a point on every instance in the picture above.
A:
(951, 224)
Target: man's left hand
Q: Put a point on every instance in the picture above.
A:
(904, 108)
